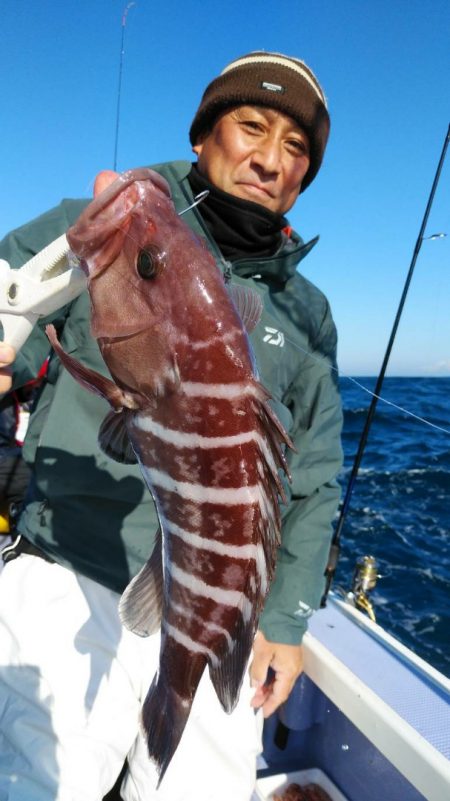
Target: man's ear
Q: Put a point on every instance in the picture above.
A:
(198, 147)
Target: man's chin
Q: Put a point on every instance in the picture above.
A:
(256, 195)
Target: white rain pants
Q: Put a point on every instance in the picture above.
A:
(72, 682)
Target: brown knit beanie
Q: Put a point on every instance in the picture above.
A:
(274, 80)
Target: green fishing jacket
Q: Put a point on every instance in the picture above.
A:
(96, 516)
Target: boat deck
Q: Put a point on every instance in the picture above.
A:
(369, 713)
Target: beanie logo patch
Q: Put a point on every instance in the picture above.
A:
(273, 87)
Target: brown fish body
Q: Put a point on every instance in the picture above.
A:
(209, 447)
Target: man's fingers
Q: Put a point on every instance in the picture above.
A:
(274, 692)
(258, 670)
(7, 354)
(278, 693)
(5, 380)
(260, 676)
(273, 672)
(262, 656)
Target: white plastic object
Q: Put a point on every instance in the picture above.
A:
(274, 785)
(46, 282)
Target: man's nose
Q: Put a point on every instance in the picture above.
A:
(267, 156)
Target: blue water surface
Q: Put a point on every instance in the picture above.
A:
(400, 509)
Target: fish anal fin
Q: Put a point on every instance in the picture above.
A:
(248, 303)
(140, 607)
(90, 379)
(114, 440)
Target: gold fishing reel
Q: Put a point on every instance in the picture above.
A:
(4, 523)
(364, 580)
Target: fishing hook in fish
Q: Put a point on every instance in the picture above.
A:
(197, 199)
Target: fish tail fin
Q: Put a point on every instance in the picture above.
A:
(165, 713)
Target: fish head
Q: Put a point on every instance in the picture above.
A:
(116, 240)
(153, 283)
(121, 239)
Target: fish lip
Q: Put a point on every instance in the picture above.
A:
(161, 183)
(142, 174)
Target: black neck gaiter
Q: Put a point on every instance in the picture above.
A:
(241, 228)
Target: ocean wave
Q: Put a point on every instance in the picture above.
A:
(399, 509)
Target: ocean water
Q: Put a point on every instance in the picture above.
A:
(400, 509)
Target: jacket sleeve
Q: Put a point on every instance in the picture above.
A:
(17, 248)
(315, 405)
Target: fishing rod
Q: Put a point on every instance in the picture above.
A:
(119, 90)
(335, 543)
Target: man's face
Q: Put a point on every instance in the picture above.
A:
(257, 154)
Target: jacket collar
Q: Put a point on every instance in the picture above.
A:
(277, 268)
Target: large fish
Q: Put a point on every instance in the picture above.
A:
(187, 403)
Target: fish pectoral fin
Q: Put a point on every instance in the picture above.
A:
(89, 379)
(114, 440)
(140, 607)
(228, 675)
(248, 303)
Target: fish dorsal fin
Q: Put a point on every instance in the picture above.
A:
(114, 440)
(248, 303)
(140, 607)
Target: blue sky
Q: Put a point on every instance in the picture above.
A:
(385, 68)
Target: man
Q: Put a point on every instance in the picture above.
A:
(73, 678)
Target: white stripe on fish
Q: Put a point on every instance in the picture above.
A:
(196, 389)
(203, 344)
(191, 645)
(223, 597)
(182, 439)
(207, 544)
(190, 616)
(199, 493)
(261, 567)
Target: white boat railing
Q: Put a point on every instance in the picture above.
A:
(404, 746)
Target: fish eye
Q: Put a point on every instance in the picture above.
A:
(147, 264)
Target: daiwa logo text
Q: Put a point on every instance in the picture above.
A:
(273, 337)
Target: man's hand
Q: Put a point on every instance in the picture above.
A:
(7, 356)
(286, 662)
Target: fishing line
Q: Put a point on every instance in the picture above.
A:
(366, 389)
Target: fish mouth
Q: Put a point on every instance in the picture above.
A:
(143, 174)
